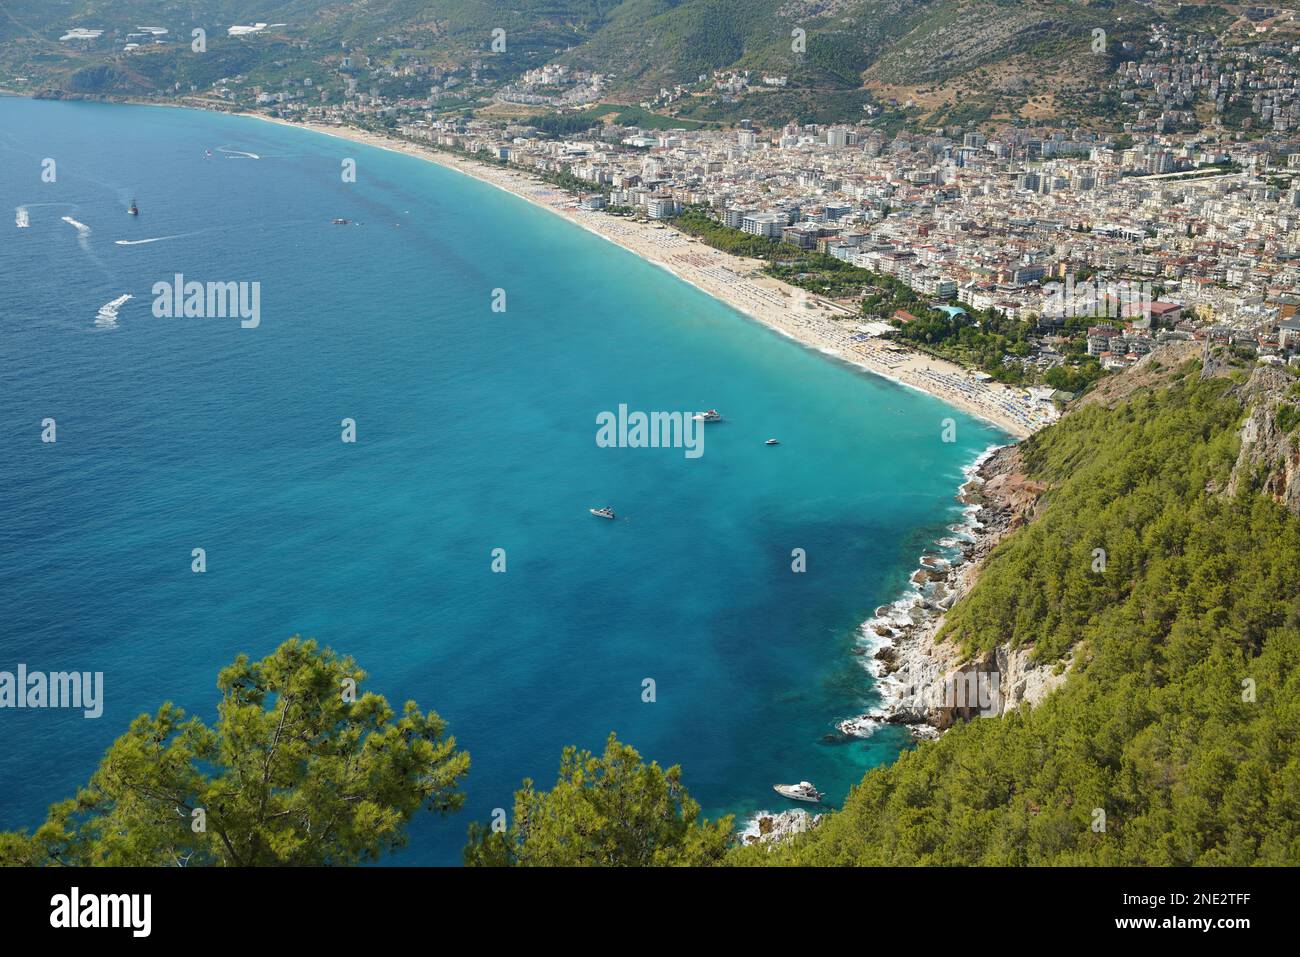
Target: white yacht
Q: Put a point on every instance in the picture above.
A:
(712, 415)
(803, 791)
(605, 512)
(771, 442)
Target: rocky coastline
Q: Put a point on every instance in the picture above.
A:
(898, 647)
(773, 828)
(912, 669)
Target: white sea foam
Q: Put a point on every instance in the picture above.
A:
(970, 471)
(863, 726)
(237, 154)
(106, 318)
(891, 617)
(81, 228)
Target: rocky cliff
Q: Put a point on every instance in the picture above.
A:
(1269, 460)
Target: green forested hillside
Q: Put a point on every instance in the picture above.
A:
(305, 39)
(663, 41)
(1180, 718)
(644, 44)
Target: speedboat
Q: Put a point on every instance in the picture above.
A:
(712, 415)
(771, 442)
(340, 222)
(803, 791)
(605, 512)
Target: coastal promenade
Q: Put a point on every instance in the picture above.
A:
(741, 284)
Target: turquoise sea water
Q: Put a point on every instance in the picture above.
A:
(476, 431)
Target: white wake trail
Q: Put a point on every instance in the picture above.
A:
(155, 239)
(106, 318)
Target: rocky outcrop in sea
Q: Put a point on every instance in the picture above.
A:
(768, 828)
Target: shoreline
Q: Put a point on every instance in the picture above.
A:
(738, 283)
(896, 645)
(899, 643)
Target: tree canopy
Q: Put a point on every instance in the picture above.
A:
(608, 810)
(299, 769)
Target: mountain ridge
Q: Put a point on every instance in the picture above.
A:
(981, 58)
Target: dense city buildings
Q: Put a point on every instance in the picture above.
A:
(985, 222)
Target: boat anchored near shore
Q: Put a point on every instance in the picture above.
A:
(803, 791)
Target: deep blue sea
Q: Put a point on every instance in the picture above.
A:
(475, 431)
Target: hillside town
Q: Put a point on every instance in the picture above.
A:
(1181, 75)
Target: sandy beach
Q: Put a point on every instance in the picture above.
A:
(741, 284)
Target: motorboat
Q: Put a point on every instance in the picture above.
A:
(605, 512)
(803, 791)
(711, 415)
